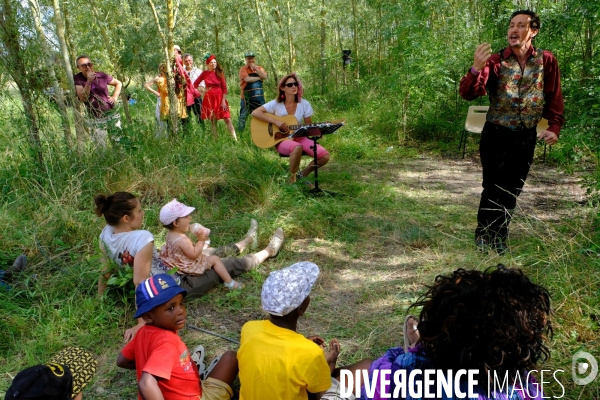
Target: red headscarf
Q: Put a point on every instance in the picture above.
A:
(209, 59)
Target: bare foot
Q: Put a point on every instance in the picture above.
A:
(333, 353)
(411, 333)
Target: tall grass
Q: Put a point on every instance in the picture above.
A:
(384, 235)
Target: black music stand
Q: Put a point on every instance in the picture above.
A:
(315, 133)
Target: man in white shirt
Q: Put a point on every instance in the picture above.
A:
(193, 73)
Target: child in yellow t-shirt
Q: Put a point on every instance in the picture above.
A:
(275, 361)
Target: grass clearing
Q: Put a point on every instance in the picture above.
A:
(399, 219)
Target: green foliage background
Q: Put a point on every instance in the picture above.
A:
(401, 90)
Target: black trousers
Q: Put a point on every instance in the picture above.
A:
(197, 285)
(196, 108)
(506, 156)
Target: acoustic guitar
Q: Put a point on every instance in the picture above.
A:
(266, 134)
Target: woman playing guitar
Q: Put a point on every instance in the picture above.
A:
(290, 102)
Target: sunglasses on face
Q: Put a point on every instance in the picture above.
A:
(90, 64)
(291, 84)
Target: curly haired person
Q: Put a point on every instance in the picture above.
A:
(496, 321)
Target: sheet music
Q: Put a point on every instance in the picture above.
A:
(316, 129)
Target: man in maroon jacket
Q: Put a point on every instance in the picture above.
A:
(523, 84)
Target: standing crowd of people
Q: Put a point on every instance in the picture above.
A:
(203, 93)
(496, 320)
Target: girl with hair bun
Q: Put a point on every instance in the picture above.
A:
(123, 242)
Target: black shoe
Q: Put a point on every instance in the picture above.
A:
(19, 264)
(17, 267)
(482, 244)
(500, 246)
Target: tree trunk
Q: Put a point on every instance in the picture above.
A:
(291, 54)
(168, 49)
(238, 20)
(587, 55)
(339, 35)
(58, 93)
(15, 65)
(68, 37)
(323, 63)
(115, 60)
(80, 129)
(176, 12)
(217, 43)
(174, 105)
(379, 41)
(266, 41)
(355, 36)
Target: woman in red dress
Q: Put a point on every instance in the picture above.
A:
(214, 104)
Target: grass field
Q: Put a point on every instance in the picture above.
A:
(399, 218)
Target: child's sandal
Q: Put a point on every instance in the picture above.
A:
(210, 367)
(198, 358)
(233, 285)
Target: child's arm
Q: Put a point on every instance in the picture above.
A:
(142, 264)
(190, 250)
(148, 387)
(124, 362)
(130, 333)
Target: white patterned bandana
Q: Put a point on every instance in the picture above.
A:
(286, 289)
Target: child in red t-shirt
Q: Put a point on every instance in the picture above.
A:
(159, 356)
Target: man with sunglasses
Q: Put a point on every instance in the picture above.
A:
(252, 93)
(92, 90)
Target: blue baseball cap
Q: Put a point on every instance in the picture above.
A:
(154, 291)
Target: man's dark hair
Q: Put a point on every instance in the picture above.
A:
(493, 320)
(535, 19)
(80, 57)
(186, 55)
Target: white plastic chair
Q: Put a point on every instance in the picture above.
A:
(475, 121)
(473, 124)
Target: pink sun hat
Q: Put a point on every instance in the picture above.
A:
(173, 210)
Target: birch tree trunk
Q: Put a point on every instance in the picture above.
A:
(292, 55)
(58, 93)
(170, 53)
(323, 63)
(355, 36)
(15, 65)
(168, 48)
(266, 41)
(80, 129)
(71, 49)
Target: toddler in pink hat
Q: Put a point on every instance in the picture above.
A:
(180, 252)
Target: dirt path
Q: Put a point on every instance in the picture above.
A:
(548, 194)
(361, 294)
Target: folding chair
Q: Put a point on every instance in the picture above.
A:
(473, 124)
(475, 121)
